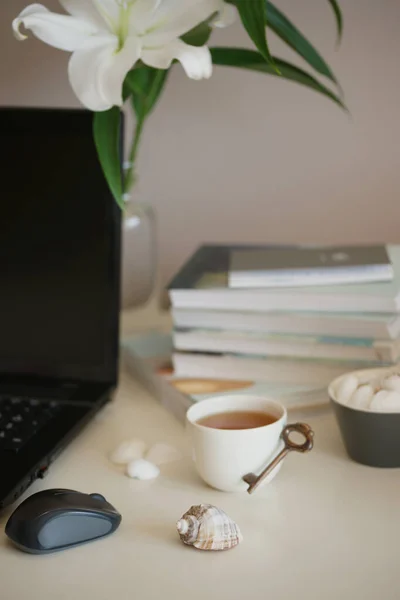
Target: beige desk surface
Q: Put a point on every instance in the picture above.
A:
(325, 529)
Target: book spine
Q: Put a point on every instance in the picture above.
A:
(273, 301)
(302, 371)
(315, 324)
(323, 347)
(313, 279)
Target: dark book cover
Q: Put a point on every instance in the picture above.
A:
(210, 259)
(307, 258)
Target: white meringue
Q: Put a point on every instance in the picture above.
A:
(142, 469)
(128, 451)
(391, 382)
(160, 454)
(346, 388)
(386, 401)
(366, 378)
(362, 396)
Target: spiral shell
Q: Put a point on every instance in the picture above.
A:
(207, 527)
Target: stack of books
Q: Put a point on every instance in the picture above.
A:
(147, 357)
(274, 320)
(262, 324)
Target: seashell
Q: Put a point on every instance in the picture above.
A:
(160, 454)
(362, 397)
(386, 401)
(128, 451)
(207, 527)
(142, 469)
(391, 382)
(346, 388)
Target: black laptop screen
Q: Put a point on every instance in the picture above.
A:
(59, 249)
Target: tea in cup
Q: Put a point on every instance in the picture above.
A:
(239, 441)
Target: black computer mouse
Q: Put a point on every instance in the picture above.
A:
(57, 519)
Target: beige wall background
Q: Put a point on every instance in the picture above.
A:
(249, 158)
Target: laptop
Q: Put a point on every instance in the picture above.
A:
(59, 289)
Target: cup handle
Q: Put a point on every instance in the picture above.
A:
(255, 480)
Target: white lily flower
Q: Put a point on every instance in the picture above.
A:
(107, 38)
(226, 15)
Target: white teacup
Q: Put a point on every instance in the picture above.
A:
(229, 459)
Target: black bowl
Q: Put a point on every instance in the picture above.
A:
(370, 437)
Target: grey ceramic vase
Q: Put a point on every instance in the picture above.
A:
(139, 254)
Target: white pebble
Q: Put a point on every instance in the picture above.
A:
(346, 388)
(386, 401)
(391, 382)
(142, 469)
(362, 397)
(128, 451)
(160, 454)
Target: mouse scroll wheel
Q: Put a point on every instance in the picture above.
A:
(98, 497)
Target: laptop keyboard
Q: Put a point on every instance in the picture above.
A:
(22, 418)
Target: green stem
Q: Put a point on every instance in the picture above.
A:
(130, 177)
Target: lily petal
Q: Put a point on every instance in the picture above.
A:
(174, 18)
(226, 16)
(110, 10)
(18, 21)
(86, 10)
(142, 14)
(61, 31)
(97, 70)
(115, 72)
(196, 61)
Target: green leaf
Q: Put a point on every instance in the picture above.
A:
(132, 84)
(338, 17)
(145, 85)
(249, 59)
(158, 82)
(198, 36)
(289, 33)
(107, 137)
(253, 15)
(136, 84)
